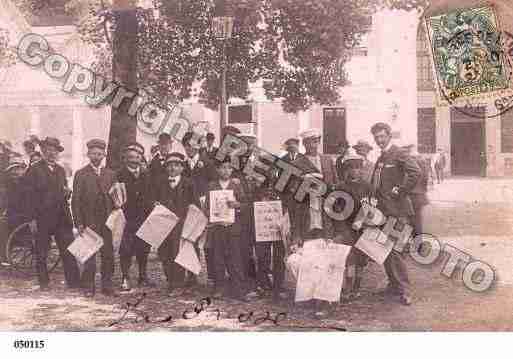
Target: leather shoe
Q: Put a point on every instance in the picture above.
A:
(125, 285)
(405, 299)
(89, 294)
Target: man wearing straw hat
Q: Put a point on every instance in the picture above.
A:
(48, 195)
(91, 206)
(363, 148)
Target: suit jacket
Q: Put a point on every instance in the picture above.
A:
(210, 154)
(178, 199)
(395, 168)
(140, 197)
(91, 203)
(47, 194)
(157, 170)
(202, 173)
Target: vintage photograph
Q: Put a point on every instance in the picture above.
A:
(327, 166)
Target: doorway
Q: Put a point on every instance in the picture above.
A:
(467, 143)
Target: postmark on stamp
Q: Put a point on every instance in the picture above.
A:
(468, 54)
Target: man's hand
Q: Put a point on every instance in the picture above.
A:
(81, 229)
(33, 226)
(233, 204)
(395, 191)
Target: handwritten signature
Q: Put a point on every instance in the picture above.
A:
(204, 305)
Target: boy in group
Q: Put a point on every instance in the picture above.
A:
(176, 193)
(138, 206)
(91, 205)
(225, 238)
(353, 183)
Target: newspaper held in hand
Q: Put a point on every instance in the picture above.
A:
(374, 243)
(268, 221)
(187, 257)
(195, 223)
(321, 271)
(118, 194)
(116, 223)
(219, 210)
(157, 226)
(86, 245)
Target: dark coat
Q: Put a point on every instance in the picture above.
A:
(178, 199)
(140, 197)
(395, 168)
(91, 203)
(157, 170)
(202, 173)
(17, 202)
(210, 154)
(47, 193)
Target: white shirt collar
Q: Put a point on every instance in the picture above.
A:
(224, 184)
(176, 180)
(390, 144)
(193, 160)
(135, 172)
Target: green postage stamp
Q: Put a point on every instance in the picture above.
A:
(468, 55)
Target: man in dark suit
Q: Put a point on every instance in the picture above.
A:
(156, 167)
(140, 200)
(176, 193)
(49, 213)
(200, 170)
(91, 205)
(395, 175)
(210, 150)
(198, 167)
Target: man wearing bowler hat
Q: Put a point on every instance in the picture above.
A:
(140, 199)
(49, 212)
(91, 206)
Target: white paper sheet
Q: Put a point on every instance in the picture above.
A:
(268, 221)
(187, 258)
(118, 194)
(195, 223)
(116, 223)
(86, 245)
(375, 244)
(157, 226)
(321, 271)
(219, 210)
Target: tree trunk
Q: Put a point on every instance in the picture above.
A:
(123, 127)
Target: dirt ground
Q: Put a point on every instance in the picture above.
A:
(479, 222)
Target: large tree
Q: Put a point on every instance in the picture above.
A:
(298, 47)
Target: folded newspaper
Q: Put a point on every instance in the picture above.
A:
(195, 223)
(85, 245)
(118, 194)
(157, 226)
(116, 223)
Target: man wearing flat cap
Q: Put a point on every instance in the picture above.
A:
(176, 193)
(49, 213)
(312, 221)
(91, 205)
(140, 199)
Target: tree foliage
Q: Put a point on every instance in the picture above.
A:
(298, 48)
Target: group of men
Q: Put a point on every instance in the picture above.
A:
(236, 264)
